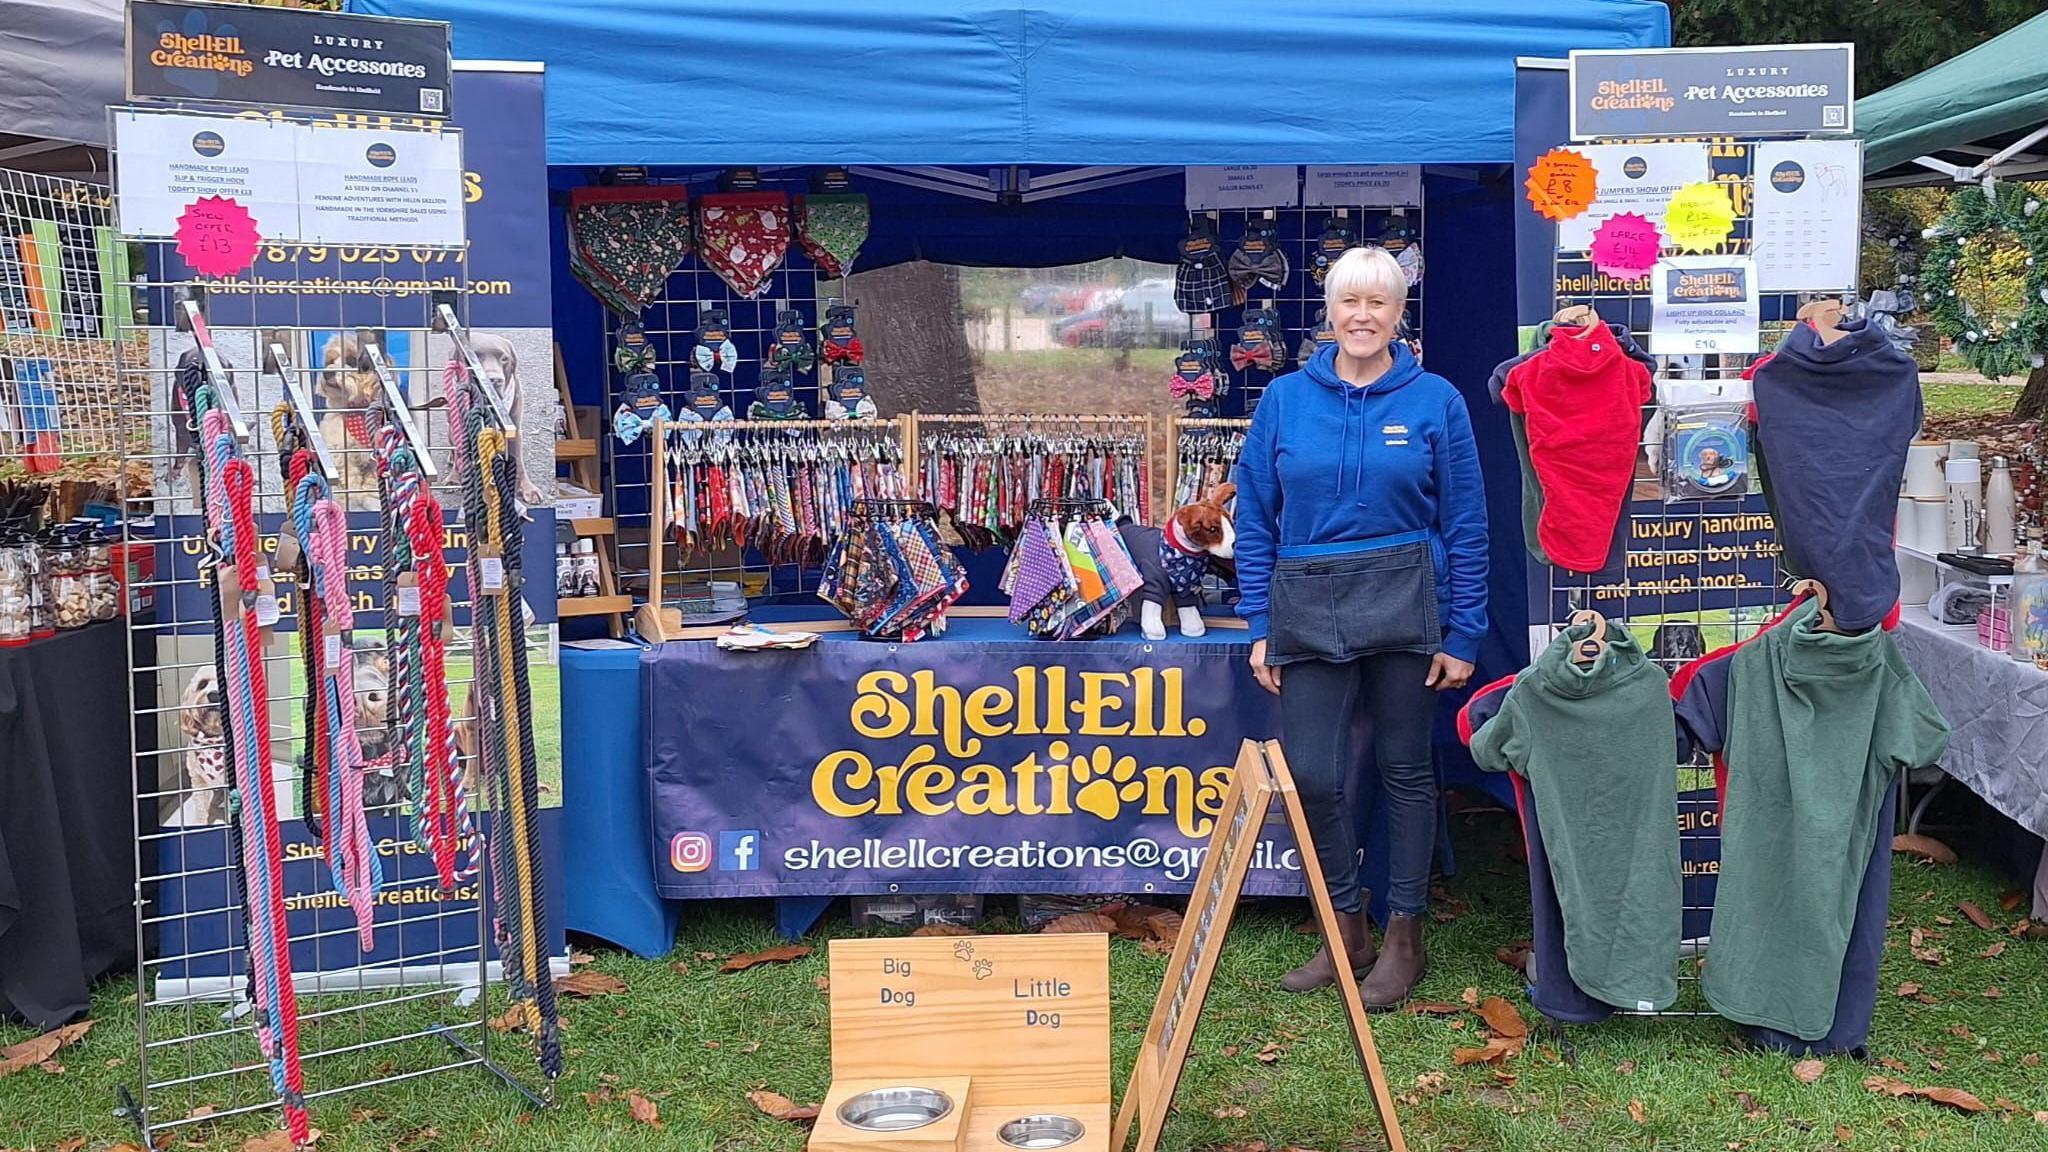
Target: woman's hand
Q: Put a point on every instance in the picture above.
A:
(1445, 671)
(1269, 678)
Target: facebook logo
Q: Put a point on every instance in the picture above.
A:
(739, 851)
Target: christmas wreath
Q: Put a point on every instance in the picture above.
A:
(1986, 278)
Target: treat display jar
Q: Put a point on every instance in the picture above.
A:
(68, 587)
(102, 591)
(17, 589)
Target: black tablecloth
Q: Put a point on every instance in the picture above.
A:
(66, 821)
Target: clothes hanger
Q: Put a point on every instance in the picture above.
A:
(1819, 592)
(1588, 650)
(1825, 316)
(1580, 316)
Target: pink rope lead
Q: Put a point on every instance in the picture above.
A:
(359, 868)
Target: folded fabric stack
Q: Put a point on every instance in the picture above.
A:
(889, 574)
(1070, 575)
(755, 638)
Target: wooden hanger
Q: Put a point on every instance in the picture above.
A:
(1824, 315)
(1580, 316)
(1819, 592)
(1588, 650)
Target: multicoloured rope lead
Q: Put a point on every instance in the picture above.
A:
(231, 514)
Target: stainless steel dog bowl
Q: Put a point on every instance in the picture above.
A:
(897, 1109)
(1040, 1132)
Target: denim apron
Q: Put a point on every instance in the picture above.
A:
(1340, 602)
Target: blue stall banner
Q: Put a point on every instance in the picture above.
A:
(1748, 91)
(199, 924)
(1709, 560)
(504, 155)
(943, 766)
(191, 588)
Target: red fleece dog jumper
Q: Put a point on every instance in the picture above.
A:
(1582, 400)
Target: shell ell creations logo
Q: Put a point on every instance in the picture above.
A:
(197, 51)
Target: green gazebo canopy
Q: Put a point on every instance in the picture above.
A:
(1963, 112)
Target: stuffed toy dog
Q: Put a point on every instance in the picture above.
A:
(1196, 541)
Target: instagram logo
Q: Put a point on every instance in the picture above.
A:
(690, 852)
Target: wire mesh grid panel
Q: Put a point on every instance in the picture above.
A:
(61, 311)
(688, 299)
(318, 384)
(1694, 575)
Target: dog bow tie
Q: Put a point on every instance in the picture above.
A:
(847, 353)
(1248, 268)
(797, 357)
(1257, 356)
(1202, 387)
(723, 354)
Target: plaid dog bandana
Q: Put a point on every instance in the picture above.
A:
(624, 241)
(1200, 284)
(742, 236)
(831, 229)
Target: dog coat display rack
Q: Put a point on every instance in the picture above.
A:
(1261, 777)
(354, 985)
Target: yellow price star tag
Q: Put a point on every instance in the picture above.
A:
(1699, 217)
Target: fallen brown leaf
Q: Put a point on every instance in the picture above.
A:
(201, 1112)
(2031, 1060)
(38, 1049)
(1636, 1113)
(1155, 947)
(1228, 1051)
(71, 1145)
(679, 968)
(600, 1096)
(1505, 1078)
(1431, 1008)
(52, 1067)
(2004, 1105)
(1993, 992)
(1993, 952)
(1975, 915)
(1229, 1113)
(1470, 997)
(1496, 1051)
(2009, 900)
(1961, 1032)
(824, 984)
(1808, 1071)
(773, 1104)
(587, 984)
(1936, 1066)
(275, 1140)
(1307, 928)
(1844, 1133)
(1943, 921)
(1502, 1017)
(1909, 989)
(1953, 1097)
(1269, 1054)
(1079, 923)
(1516, 958)
(1144, 922)
(644, 1110)
(1925, 847)
(1924, 998)
(511, 1021)
(1750, 1110)
(941, 928)
(781, 954)
(578, 958)
(1932, 956)
(1625, 1068)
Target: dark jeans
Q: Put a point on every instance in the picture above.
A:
(1317, 702)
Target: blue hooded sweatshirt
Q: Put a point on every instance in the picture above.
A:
(1329, 468)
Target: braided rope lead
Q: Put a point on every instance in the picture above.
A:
(401, 632)
(231, 505)
(495, 465)
(352, 851)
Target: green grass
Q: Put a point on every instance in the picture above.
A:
(683, 1038)
(1980, 398)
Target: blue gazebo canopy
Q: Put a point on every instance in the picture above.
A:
(1062, 82)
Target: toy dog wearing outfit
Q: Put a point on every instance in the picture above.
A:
(1195, 541)
(1361, 553)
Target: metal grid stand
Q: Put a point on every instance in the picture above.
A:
(1667, 538)
(420, 1002)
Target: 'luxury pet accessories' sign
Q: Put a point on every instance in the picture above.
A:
(287, 57)
(1752, 90)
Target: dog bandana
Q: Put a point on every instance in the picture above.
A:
(742, 237)
(787, 349)
(1258, 262)
(848, 399)
(624, 242)
(775, 399)
(1201, 284)
(633, 354)
(1337, 237)
(840, 344)
(641, 407)
(1404, 242)
(830, 229)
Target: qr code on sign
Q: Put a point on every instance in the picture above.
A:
(1833, 115)
(430, 100)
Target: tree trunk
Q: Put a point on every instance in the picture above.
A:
(915, 335)
(2033, 401)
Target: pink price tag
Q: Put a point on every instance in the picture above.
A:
(1626, 245)
(217, 236)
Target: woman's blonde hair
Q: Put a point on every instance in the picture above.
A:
(1364, 271)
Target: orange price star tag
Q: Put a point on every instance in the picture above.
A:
(1561, 184)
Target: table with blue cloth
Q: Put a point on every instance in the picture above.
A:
(982, 761)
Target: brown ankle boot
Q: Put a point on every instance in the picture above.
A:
(1401, 965)
(1319, 972)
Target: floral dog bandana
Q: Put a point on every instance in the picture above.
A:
(831, 230)
(742, 236)
(625, 240)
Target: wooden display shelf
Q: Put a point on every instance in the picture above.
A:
(575, 449)
(582, 455)
(593, 605)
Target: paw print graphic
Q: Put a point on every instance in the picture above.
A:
(964, 950)
(984, 968)
(1105, 785)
